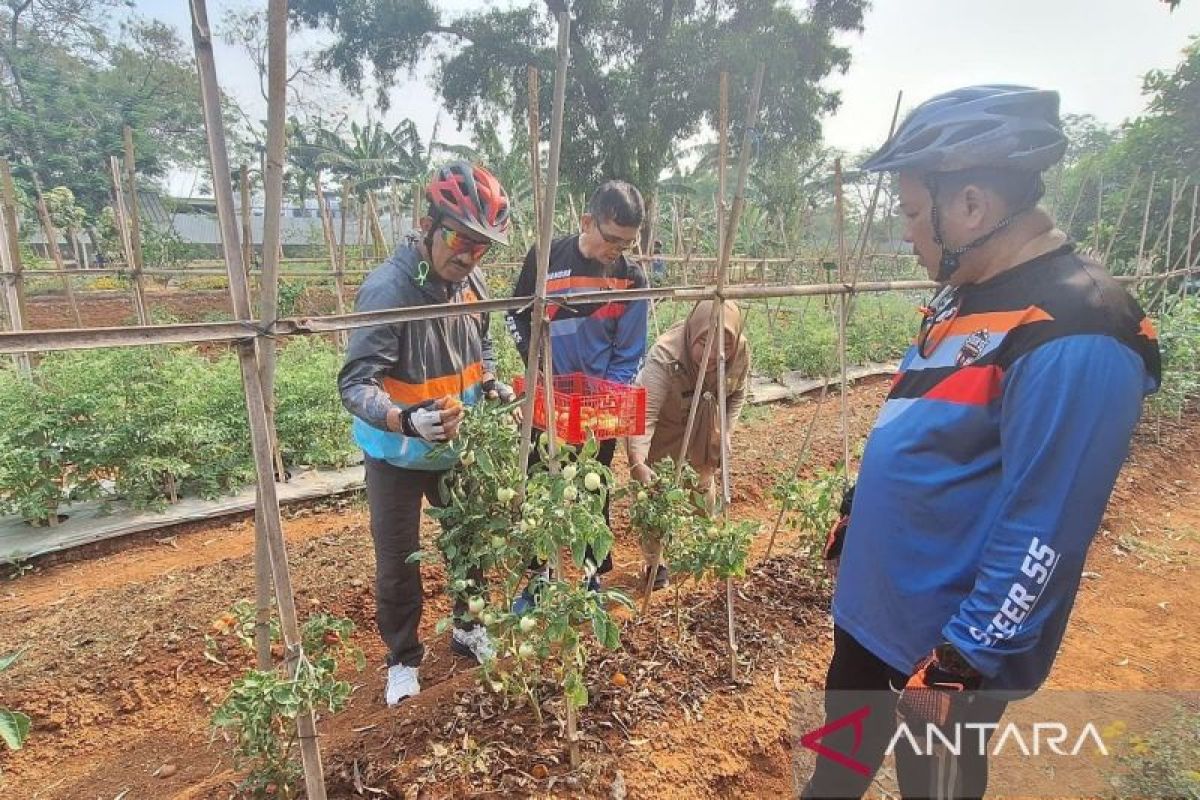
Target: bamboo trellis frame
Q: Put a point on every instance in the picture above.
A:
(250, 334)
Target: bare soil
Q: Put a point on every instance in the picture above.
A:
(117, 684)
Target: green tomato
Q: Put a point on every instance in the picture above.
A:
(569, 493)
(642, 495)
(527, 624)
(525, 650)
(475, 605)
(490, 619)
(498, 542)
(467, 458)
(592, 482)
(505, 495)
(497, 687)
(569, 472)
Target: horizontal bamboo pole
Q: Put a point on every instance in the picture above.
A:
(210, 332)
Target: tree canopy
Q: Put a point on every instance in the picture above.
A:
(69, 85)
(643, 76)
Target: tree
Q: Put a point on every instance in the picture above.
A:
(67, 90)
(1164, 142)
(371, 156)
(643, 75)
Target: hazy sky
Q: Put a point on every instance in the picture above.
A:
(1093, 51)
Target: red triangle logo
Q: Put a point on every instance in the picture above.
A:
(812, 740)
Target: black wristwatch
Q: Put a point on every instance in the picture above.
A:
(952, 661)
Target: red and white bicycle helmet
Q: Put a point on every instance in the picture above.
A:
(472, 197)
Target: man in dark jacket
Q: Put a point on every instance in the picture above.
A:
(406, 384)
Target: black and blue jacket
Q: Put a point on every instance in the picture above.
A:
(990, 466)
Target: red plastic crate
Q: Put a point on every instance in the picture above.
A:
(582, 404)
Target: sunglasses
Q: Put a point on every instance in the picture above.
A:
(615, 241)
(459, 243)
(943, 308)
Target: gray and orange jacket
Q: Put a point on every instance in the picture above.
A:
(408, 363)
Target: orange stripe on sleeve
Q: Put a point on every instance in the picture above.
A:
(1147, 329)
(412, 393)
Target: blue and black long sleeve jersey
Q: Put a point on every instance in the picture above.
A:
(990, 466)
(603, 340)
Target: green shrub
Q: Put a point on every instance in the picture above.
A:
(38, 446)
(313, 427)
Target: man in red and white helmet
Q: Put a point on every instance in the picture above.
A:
(406, 385)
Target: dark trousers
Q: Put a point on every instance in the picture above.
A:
(394, 497)
(608, 449)
(857, 678)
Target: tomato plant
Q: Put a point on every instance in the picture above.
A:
(490, 532)
(40, 443)
(14, 726)
(262, 706)
(480, 515)
(563, 510)
(664, 507)
(715, 548)
(810, 505)
(147, 425)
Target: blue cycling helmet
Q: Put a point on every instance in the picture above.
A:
(997, 126)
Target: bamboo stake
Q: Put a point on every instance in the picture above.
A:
(345, 209)
(51, 233)
(247, 230)
(135, 228)
(812, 424)
(574, 213)
(236, 332)
(1176, 196)
(1191, 239)
(536, 316)
(718, 201)
(380, 244)
(1137, 265)
(360, 218)
(256, 402)
(1121, 214)
(262, 578)
(1078, 200)
(339, 289)
(121, 219)
(1099, 209)
(539, 343)
(416, 208)
(739, 200)
(10, 262)
(840, 223)
(394, 212)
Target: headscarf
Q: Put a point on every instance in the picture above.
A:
(675, 349)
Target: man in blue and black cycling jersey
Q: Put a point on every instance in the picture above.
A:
(990, 465)
(606, 339)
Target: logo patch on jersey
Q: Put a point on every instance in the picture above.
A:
(973, 348)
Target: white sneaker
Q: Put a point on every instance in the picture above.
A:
(402, 682)
(474, 643)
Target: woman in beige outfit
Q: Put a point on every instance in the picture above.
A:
(669, 377)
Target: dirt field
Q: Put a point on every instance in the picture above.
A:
(118, 686)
